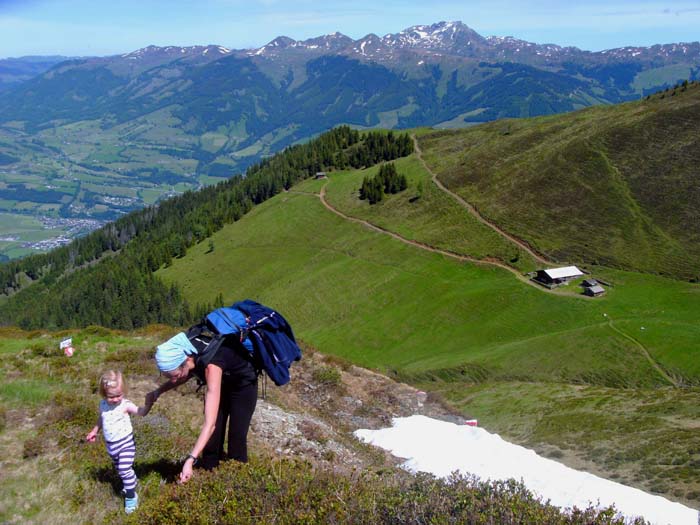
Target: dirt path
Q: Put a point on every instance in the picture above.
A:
(645, 353)
(518, 242)
(446, 253)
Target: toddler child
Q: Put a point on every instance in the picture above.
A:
(115, 422)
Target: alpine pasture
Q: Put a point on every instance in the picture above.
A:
(593, 381)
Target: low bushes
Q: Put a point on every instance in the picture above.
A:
(289, 491)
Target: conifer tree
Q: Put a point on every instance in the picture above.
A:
(107, 276)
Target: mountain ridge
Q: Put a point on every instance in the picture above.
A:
(452, 37)
(94, 138)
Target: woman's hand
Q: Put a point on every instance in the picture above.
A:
(151, 398)
(186, 473)
(211, 410)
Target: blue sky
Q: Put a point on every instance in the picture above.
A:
(97, 27)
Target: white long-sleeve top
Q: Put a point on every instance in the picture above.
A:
(116, 421)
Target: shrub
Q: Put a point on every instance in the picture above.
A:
(69, 410)
(289, 491)
(41, 349)
(313, 431)
(338, 361)
(33, 447)
(327, 376)
(99, 331)
(132, 361)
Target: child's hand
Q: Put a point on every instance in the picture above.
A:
(92, 436)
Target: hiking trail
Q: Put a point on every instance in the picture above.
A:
(423, 246)
(645, 353)
(473, 211)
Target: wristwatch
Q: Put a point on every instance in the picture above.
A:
(194, 459)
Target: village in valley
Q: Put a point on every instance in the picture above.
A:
(72, 228)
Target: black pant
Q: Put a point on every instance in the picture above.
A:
(236, 404)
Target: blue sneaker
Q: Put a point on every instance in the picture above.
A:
(131, 504)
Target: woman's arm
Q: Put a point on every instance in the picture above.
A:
(153, 395)
(211, 410)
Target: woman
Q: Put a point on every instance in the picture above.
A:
(231, 394)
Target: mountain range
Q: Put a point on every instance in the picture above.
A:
(14, 71)
(96, 137)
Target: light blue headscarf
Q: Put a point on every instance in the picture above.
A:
(173, 352)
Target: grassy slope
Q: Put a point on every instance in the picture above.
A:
(517, 357)
(318, 473)
(426, 214)
(614, 185)
(343, 286)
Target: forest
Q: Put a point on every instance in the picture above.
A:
(106, 278)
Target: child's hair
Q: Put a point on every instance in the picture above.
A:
(112, 381)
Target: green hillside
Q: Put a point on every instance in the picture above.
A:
(614, 185)
(532, 365)
(364, 295)
(305, 466)
(418, 287)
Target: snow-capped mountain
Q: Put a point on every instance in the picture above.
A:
(176, 51)
(445, 37)
(321, 44)
(423, 75)
(442, 39)
(457, 39)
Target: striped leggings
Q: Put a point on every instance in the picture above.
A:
(122, 453)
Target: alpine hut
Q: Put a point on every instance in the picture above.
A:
(594, 291)
(556, 276)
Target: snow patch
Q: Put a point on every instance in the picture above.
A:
(439, 447)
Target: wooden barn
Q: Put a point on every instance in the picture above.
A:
(556, 276)
(594, 291)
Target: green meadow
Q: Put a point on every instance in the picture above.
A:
(613, 186)
(426, 214)
(512, 354)
(291, 250)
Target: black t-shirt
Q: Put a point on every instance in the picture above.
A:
(235, 362)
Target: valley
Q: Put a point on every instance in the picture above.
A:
(97, 137)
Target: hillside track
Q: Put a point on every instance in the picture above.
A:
(645, 353)
(433, 249)
(473, 211)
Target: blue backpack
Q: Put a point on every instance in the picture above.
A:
(264, 332)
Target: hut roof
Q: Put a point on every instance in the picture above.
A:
(597, 289)
(563, 273)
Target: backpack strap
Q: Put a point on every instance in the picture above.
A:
(207, 342)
